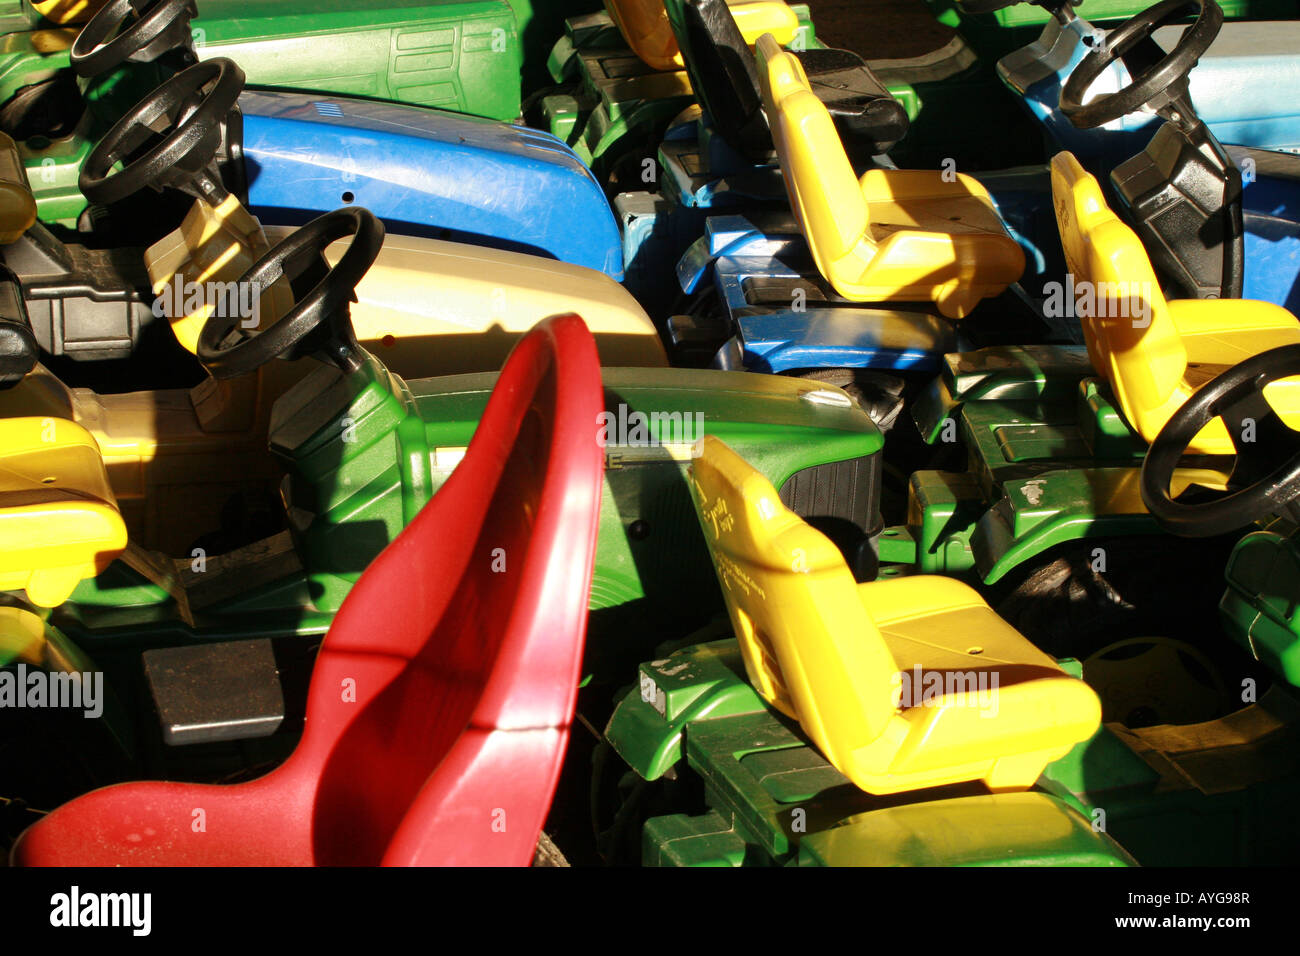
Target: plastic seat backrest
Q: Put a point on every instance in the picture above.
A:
(824, 193)
(644, 25)
(483, 601)
(722, 72)
(1131, 338)
(61, 522)
(809, 646)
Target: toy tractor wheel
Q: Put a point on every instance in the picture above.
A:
(634, 170)
(49, 108)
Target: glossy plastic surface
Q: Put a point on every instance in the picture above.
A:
(823, 334)
(426, 172)
(645, 26)
(462, 55)
(487, 298)
(441, 698)
(59, 522)
(1156, 352)
(17, 205)
(429, 307)
(1026, 829)
(852, 663)
(1258, 607)
(893, 235)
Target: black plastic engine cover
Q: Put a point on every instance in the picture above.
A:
(1183, 197)
(88, 304)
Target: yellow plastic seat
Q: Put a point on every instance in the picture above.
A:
(903, 684)
(893, 235)
(59, 522)
(645, 26)
(1157, 352)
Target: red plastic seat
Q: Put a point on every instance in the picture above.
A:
(442, 696)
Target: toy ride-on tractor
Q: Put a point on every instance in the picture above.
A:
(896, 722)
(903, 722)
(1049, 516)
(91, 299)
(880, 272)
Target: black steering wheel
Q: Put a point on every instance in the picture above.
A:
(1266, 474)
(106, 42)
(187, 116)
(1159, 78)
(227, 349)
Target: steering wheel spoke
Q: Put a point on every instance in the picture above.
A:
(1144, 55)
(135, 30)
(319, 321)
(186, 116)
(1265, 477)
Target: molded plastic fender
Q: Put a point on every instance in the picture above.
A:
(429, 172)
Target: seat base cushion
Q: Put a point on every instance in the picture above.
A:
(977, 700)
